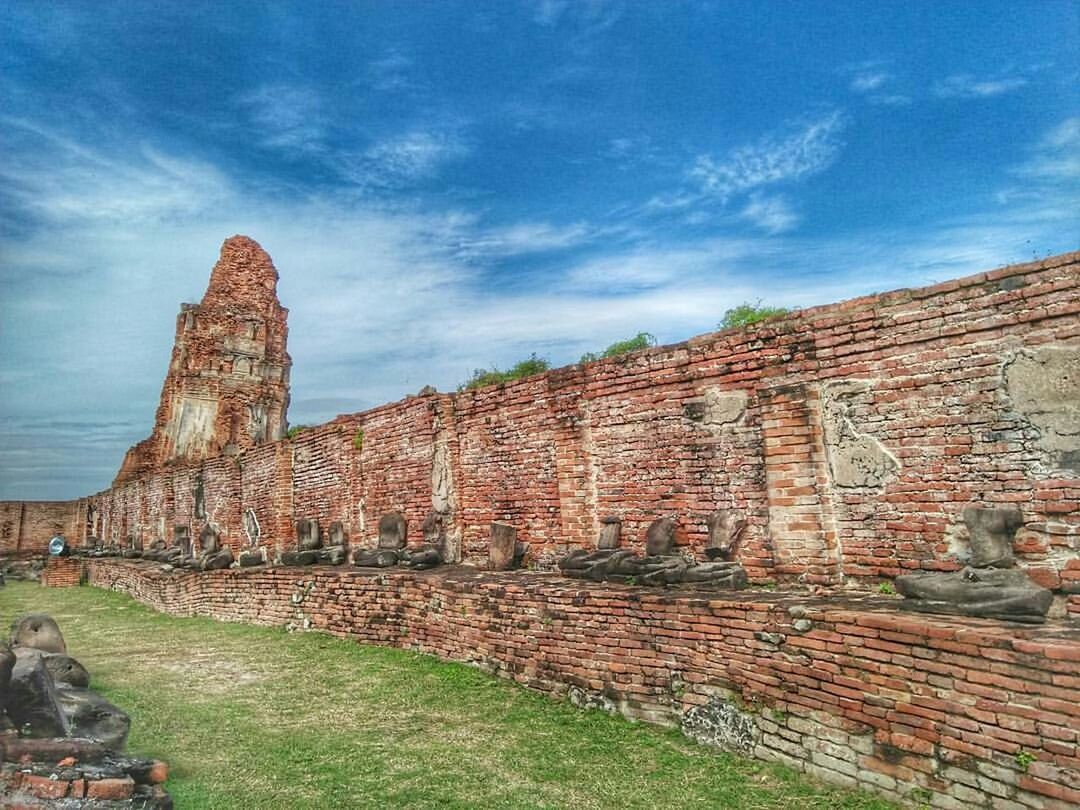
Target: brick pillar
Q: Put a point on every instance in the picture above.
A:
(282, 534)
(801, 523)
(575, 473)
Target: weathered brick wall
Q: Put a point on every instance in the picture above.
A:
(958, 713)
(27, 526)
(62, 572)
(849, 436)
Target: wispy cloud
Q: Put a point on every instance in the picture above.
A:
(772, 214)
(61, 180)
(966, 86)
(528, 237)
(286, 117)
(591, 16)
(865, 82)
(1056, 157)
(391, 73)
(875, 81)
(790, 155)
(403, 159)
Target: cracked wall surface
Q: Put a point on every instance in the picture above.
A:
(855, 458)
(1043, 386)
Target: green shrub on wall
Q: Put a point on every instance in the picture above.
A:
(493, 376)
(642, 340)
(747, 314)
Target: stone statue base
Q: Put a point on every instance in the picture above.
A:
(620, 565)
(994, 593)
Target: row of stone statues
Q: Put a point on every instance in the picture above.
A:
(45, 696)
(662, 564)
(392, 547)
(990, 585)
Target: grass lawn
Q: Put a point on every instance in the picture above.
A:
(251, 717)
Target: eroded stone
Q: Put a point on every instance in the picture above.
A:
(660, 537)
(38, 631)
(504, 551)
(393, 531)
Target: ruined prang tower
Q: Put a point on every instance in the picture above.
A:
(228, 383)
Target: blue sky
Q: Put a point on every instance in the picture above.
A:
(445, 186)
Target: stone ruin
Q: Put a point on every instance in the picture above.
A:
(661, 563)
(310, 549)
(990, 586)
(392, 546)
(60, 740)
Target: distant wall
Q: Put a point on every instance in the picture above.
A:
(27, 526)
(850, 436)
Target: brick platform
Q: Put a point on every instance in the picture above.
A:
(62, 572)
(960, 713)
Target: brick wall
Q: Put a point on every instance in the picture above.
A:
(849, 436)
(27, 526)
(958, 713)
(62, 572)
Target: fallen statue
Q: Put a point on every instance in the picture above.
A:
(58, 735)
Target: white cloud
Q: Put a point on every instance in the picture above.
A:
(62, 181)
(779, 157)
(528, 237)
(287, 117)
(590, 16)
(865, 82)
(415, 154)
(391, 73)
(890, 99)
(548, 12)
(1056, 157)
(772, 214)
(403, 159)
(966, 86)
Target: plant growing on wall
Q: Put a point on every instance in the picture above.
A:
(295, 429)
(642, 340)
(525, 368)
(746, 314)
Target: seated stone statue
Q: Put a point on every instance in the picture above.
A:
(990, 586)
(337, 550)
(661, 565)
(134, 548)
(310, 549)
(212, 555)
(393, 533)
(180, 554)
(433, 550)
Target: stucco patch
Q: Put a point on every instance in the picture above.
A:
(1043, 386)
(855, 459)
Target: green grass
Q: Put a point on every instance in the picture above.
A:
(251, 717)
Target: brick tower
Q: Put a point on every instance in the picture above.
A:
(227, 388)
